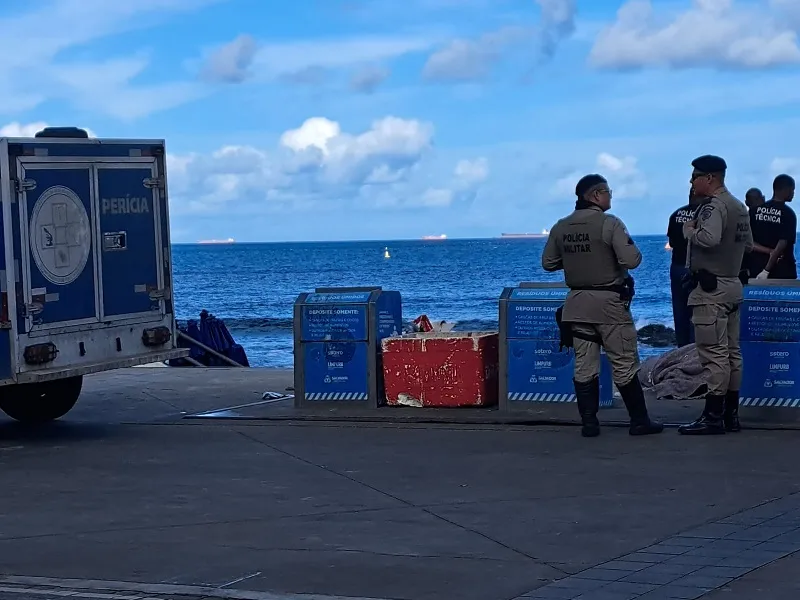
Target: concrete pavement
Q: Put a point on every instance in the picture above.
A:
(126, 494)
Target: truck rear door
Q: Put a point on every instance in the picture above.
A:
(57, 218)
(95, 251)
(129, 234)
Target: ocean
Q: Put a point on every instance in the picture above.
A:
(252, 286)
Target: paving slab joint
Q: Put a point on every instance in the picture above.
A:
(77, 588)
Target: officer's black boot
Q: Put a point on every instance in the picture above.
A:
(730, 416)
(710, 422)
(588, 395)
(633, 396)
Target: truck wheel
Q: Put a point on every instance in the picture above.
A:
(41, 402)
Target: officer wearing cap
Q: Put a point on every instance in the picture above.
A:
(716, 243)
(596, 252)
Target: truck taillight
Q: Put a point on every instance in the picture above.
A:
(39, 354)
(156, 336)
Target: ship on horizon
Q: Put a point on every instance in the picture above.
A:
(435, 237)
(541, 235)
(228, 241)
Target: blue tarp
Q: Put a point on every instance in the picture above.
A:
(212, 332)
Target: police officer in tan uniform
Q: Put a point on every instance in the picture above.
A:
(716, 242)
(595, 252)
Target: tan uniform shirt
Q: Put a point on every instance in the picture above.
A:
(717, 242)
(594, 249)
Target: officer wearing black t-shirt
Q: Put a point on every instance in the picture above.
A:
(754, 197)
(681, 313)
(753, 262)
(774, 226)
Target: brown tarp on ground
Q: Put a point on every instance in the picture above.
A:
(674, 375)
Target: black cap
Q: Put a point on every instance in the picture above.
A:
(587, 182)
(709, 164)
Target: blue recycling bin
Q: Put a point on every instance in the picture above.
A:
(770, 340)
(337, 344)
(532, 367)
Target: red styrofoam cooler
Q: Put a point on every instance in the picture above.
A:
(441, 369)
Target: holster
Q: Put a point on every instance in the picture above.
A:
(705, 279)
(564, 330)
(628, 291)
(567, 335)
(744, 276)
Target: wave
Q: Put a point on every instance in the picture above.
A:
(266, 325)
(261, 324)
(283, 324)
(643, 322)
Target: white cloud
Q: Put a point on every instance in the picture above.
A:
(380, 155)
(15, 129)
(309, 61)
(315, 132)
(316, 164)
(626, 179)
(231, 62)
(279, 59)
(787, 165)
(312, 76)
(472, 59)
(711, 33)
(368, 78)
(435, 197)
(468, 176)
(623, 175)
(467, 60)
(471, 172)
(105, 87)
(558, 22)
(33, 42)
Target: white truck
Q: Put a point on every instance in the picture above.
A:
(85, 265)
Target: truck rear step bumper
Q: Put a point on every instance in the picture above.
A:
(131, 361)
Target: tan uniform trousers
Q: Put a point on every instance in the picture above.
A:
(716, 334)
(620, 343)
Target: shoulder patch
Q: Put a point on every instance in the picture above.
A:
(705, 212)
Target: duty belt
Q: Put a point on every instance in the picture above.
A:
(618, 288)
(626, 290)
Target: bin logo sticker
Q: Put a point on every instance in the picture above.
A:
(337, 353)
(60, 235)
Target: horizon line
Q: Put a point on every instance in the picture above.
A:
(384, 240)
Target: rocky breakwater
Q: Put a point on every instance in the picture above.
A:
(657, 336)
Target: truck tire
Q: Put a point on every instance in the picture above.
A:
(41, 402)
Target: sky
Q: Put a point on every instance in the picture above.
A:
(396, 119)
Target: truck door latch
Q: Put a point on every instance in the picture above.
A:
(154, 183)
(158, 294)
(25, 185)
(34, 308)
